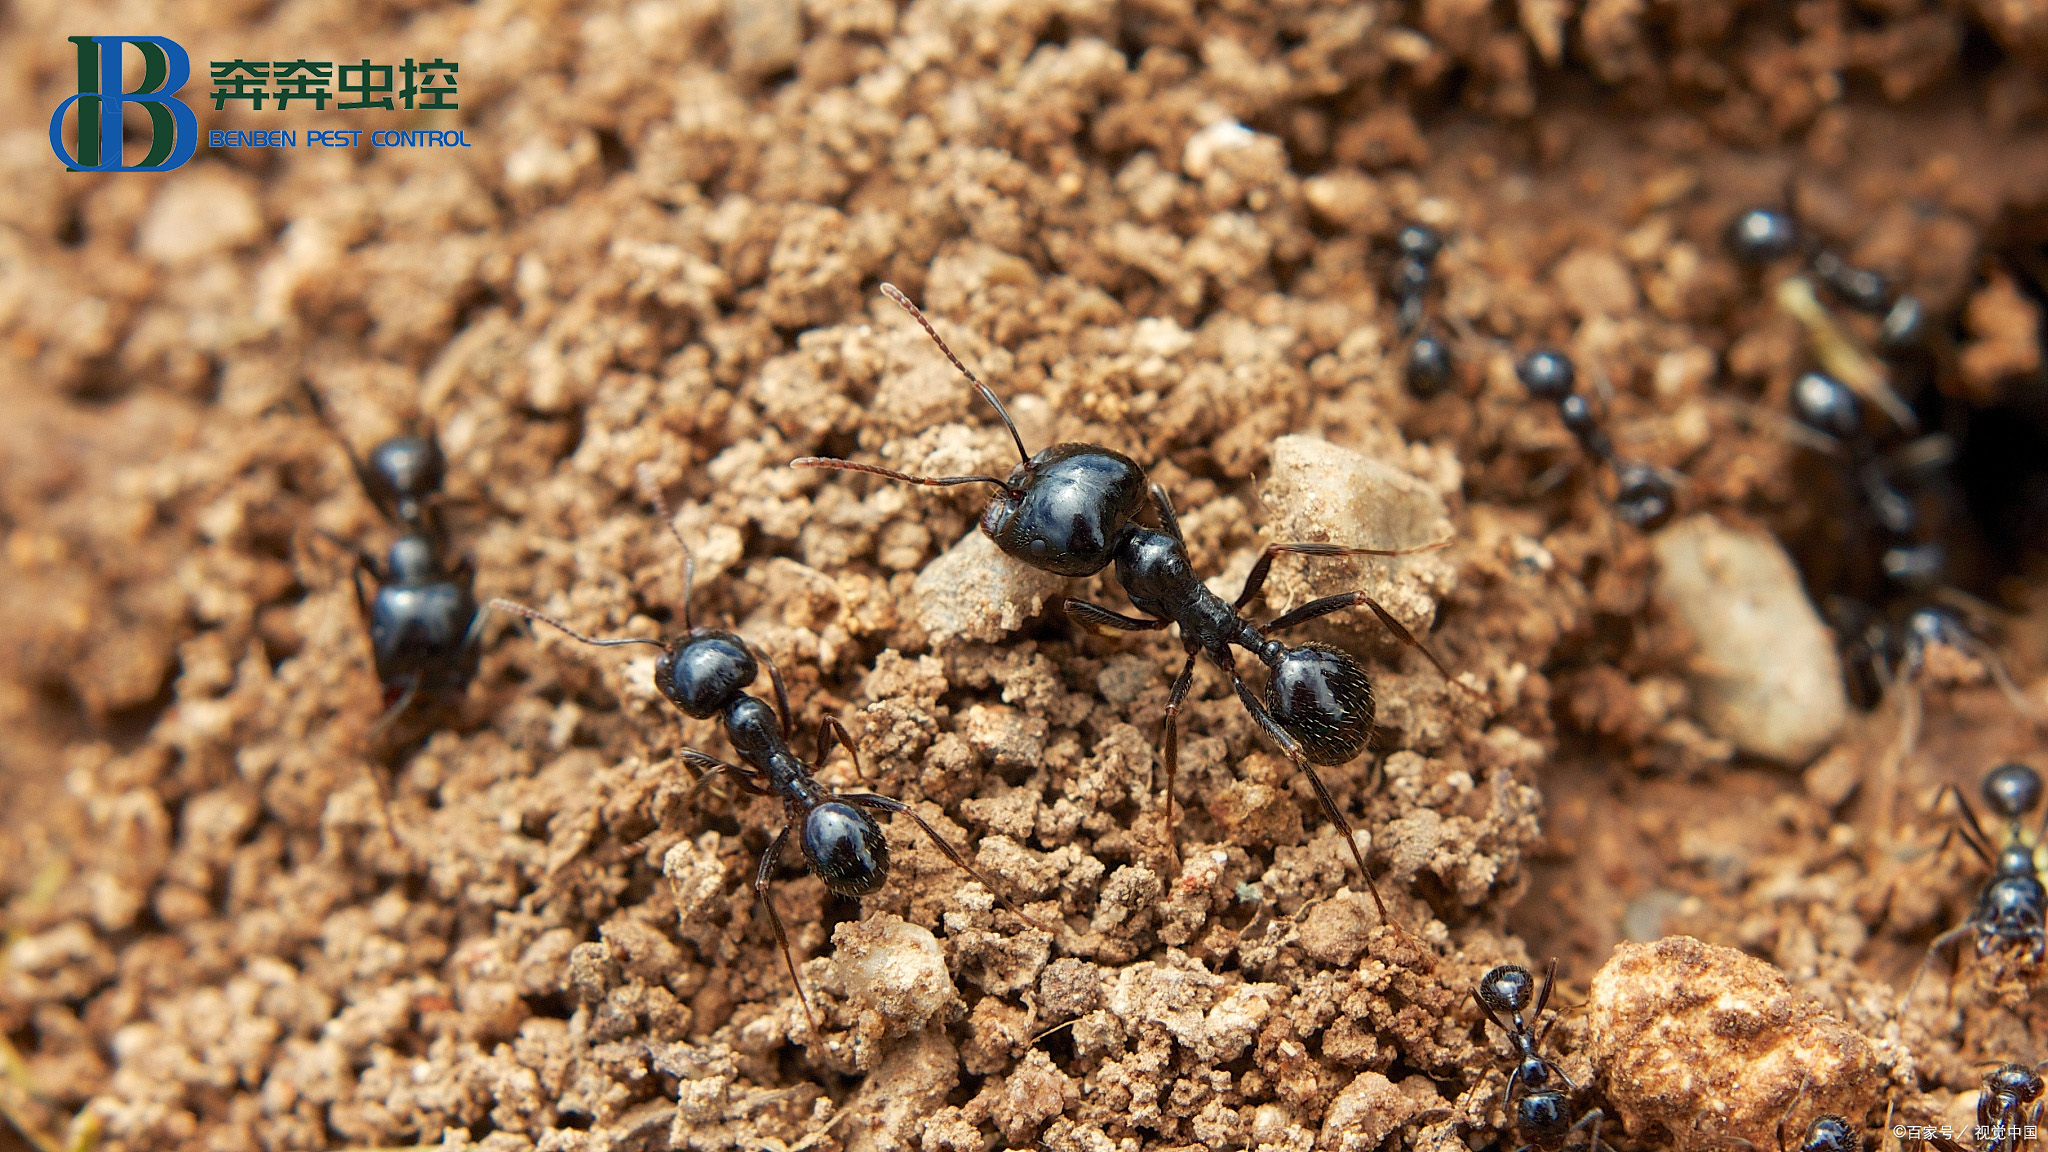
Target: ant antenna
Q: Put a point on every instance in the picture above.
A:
(896, 294)
(891, 474)
(651, 488)
(517, 609)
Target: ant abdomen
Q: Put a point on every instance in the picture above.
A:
(845, 848)
(1065, 510)
(1506, 989)
(1322, 698)
(705, 672)
(2012, 789)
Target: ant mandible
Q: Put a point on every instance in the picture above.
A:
(426, 634)
(1070, 511)
(2012, 907)
(705, 672)
(1542, 1109)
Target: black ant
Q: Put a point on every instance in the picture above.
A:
(1758, 237)
(1644, 498)
(1429, 361)
(1062, 511)
(1070, 510)
(425, 630)
(705, 672)
(2008, 1111)
(1538, 1091)
(1318, 708)
(2012, 907)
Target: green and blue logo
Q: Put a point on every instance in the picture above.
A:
(102, 99)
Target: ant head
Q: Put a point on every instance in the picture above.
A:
(1831, 1133)
(1321, 697)
(1762, 236)
(1547, 375)
(845, 848)
(1063, 510)
(1507, 989)
(2014, 1081)
(1644, 500)
(1826, 405)
(704, 670)
(403, 472)
(2012, 789)
(411, 561)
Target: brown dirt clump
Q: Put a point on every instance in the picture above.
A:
(238, 918)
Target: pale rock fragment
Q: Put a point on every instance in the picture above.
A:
(1712, 1045)
(974, 592)
(1765, 674)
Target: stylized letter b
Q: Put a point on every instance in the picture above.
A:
(174, 130)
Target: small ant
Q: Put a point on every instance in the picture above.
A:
(704, 672)
(1062, 511)
(1429, 363)
(1542, 1109)
(2004, 1117)
(1070, 510)
(1757, 237)
(425, 630)
(2012, 906)
(1644, 499)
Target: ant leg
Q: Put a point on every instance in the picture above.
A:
(1343, 600)
(831, 729)
(781, 693)
(1167, 519)
(326, 419)
(1979, 842)
(1170, 742)
(885, 804)
(1292, 748)
(1264, 566)
(1082, 612)
(1594, 1118)
(761, 876)
(1952, 936)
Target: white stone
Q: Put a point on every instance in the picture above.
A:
(1765, 674)
(976, 592)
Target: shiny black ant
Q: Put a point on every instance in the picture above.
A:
(2008, 1111)
(1070, 510)
(2012, 907)
(426, 633)
(1643, 499)
(1758, 237)
(705, 672)
(1538, 1091)
(1429, 361)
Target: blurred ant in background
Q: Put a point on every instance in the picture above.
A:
(1428, 362)
(705, 672)
(426, 632)
(1071, 510)
(1644, 499)
(2011, 912)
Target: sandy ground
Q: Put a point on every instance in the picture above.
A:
(239, 918)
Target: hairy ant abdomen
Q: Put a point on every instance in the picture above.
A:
(1323, 698)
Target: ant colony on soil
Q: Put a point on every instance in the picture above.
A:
(1524, 628)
